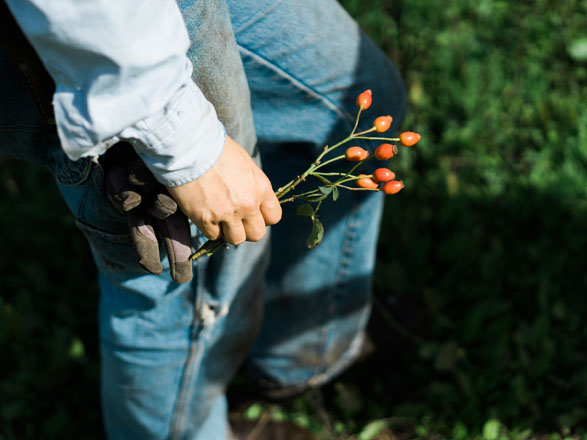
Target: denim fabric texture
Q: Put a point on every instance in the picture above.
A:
(283, 77)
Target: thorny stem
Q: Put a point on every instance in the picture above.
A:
(209, 248)
(357, 165)
(334, 159)
(317, 162)
(213, 246)
(330, 174)
(317, 208)
(376, 138)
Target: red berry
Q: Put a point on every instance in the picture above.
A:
(393, 187)
(364, 100)
(409, 138)
(382, 175)
(356, 154)
(366, 182)
(385, 151)
(382, 123)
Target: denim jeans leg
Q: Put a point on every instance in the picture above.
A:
(170, 350)
(306, 62)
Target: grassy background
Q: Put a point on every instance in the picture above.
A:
(481, 272)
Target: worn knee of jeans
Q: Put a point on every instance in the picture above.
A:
(306, 64)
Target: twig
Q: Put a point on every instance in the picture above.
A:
(261, 424)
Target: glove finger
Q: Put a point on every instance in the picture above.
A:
(145, 240)
(118, 190)
(161, 206)
(139, 174)
(176, 235)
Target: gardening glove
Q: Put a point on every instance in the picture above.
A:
(150, 211)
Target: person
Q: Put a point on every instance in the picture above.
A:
(205, 91)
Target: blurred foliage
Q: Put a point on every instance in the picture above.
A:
(49, 368)
(481, 275)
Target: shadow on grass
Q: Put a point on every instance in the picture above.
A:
(479, 314)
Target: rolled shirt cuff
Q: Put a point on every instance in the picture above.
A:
(181, 142)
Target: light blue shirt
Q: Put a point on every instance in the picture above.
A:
(121, 73)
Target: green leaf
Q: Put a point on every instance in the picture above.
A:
(253, 412)
(323, 179)
(316, 235)
(325, 189)
(491, 429)
(76, 349)
(335, 194)
(315, 197)
(305, 210)
(578, 49)
(371, 430)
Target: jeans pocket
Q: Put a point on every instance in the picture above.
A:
(26, 133)
(112, 252)
(105, 228)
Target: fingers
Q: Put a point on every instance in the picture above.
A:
(271, 210)
(254, 227)
(233, 200)
(237, 228)
(234, 232)
(210, 230)
(251, 228)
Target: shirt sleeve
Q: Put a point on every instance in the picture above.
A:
(121, 73)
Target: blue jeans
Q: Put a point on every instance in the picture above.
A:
(283, 76)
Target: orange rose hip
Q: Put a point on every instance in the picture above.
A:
(356, 154)
(366, 182)
(409, 138)
(392, 187)
(382, 123)
(385, 151)
(364, 100)
(383, 175)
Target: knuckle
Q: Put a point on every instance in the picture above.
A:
(265, 186)
(249, 205)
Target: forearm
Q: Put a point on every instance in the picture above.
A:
(121, 73)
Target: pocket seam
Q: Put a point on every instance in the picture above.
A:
(114, 238)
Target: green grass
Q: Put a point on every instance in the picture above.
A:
(481, 285)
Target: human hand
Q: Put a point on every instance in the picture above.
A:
(233, 200)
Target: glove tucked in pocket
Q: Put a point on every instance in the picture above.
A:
(151, 212)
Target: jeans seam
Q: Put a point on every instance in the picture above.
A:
(296, 82)
(192, 364)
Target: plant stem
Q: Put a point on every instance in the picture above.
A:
(212, 246)
(355, 135)
(209, 248)
(357, 120)
(330, 174)
(357, 188)
(376, 138)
